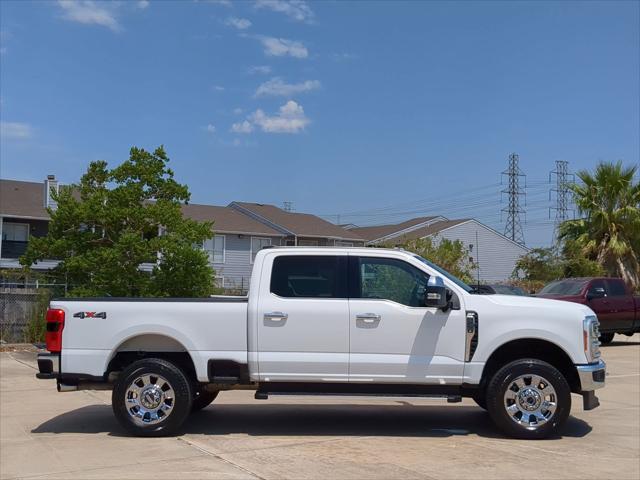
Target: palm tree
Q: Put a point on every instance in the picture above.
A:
(608, 231)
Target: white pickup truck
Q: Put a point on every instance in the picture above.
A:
(343, 321)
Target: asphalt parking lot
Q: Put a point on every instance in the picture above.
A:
(44, 434)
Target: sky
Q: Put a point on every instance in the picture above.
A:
(361, 112)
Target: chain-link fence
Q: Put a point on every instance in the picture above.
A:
(22, 310)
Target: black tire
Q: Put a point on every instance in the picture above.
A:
(521, 370)
(202, 399)
(480, 398)
(606, 338)
(178, 400)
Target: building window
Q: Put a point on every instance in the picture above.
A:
(340, 243)
(308, 243)
(257, 244)
(215, 248)
(15, 232)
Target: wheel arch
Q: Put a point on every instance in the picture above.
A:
(537, 348)
(150, 345)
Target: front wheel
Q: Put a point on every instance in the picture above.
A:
(529, 399)
(152, 397)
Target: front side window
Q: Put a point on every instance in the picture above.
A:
(597, 285)
(309, 276)
(215, 248)
(390, 279)
(257, 244)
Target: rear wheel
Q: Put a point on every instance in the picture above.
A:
(152, 397)
(529, 399)
(202, 399)
(606, 338)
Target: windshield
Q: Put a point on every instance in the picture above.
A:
(444, 273)
(564, 287)
(508, 290)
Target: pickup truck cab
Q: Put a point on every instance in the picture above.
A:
(610, 298)
(356, 321)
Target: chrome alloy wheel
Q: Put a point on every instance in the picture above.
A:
(149, 399)
(530, 401)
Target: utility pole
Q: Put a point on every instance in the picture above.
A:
(513, 227)
(287, 206)
(562, 194)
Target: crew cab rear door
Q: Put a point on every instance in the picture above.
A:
(303, 318)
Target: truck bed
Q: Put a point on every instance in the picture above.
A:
(96, 328)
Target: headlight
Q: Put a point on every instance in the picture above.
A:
(590, 335)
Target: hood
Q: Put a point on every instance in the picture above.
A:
(557, 307)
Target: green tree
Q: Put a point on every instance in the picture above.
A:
(608, 201)
(453, 256)
(106, 227)
(543, 265)
(538, 265)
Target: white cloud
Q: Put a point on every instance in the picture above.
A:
(289, 119)
(218, 88)
(210, 128)
(237, 111)
(261, 69)
(239, 23)
(224, 3)
(89, 12)
(15, 130)
(242, 127)
(279, 47)
(277, 87)
(296, 9)
(142, 4)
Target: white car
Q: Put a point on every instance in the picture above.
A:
(357, 321)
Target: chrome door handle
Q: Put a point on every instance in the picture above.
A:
(368, 317)
(276, 316)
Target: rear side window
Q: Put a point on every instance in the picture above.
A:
(309, 276)
(616, 288)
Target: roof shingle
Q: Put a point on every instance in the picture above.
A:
(300, 224)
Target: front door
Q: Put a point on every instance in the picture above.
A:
(303, 319)
(394, 338)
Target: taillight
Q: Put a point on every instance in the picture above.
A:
(55, 324)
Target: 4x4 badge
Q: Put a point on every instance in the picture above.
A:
(90, 315)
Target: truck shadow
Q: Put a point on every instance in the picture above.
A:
(399, 420)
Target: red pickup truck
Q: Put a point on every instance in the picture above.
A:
(617, 308)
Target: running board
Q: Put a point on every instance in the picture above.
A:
(452, 393)
(262, 395)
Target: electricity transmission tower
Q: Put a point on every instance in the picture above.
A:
(562, 193)
(513, 227)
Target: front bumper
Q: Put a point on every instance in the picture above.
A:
(48, 365)
(592, 377)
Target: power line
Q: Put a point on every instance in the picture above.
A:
(513, 227)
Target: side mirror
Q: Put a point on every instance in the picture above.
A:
(436, 294)
(597, 292)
